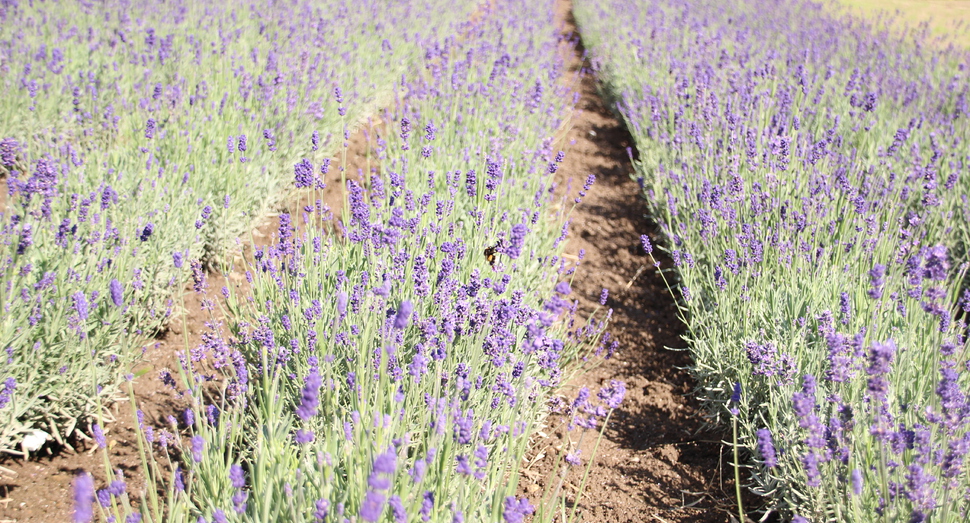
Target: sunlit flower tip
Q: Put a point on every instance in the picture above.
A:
(83, 498)
(403, 314)
(645, 241)
(563, 288)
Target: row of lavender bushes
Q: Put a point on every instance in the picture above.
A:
(382, 367)
(809, 171)
(135, 130)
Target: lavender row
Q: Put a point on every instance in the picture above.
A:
(809, 172)
(140, 137)
(392, 365)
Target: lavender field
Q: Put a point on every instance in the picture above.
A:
(403, 339)
(810, 174)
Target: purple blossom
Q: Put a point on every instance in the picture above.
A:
(147, 232)
(403, 314)
(516, 240)
(83, 498)
(613, 395)
(373, 506)
(877, 278)
(150, 128)
(645, 242)
(237, 476)
(515, 510)
(9, 385)
(98, 435)
(766, 448)
(198, 445)
(303, 174)
(117, 293)
(310, 397)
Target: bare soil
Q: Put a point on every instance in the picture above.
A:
(655, 461)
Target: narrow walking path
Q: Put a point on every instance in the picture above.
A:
(654, 462)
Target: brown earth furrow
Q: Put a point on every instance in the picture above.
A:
(655, 461)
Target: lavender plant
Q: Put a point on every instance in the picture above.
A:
(136, 136)
(382, 368)
(808, 170)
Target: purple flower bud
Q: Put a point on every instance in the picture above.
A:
(150, 128)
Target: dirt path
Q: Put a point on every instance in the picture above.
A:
(653, 464)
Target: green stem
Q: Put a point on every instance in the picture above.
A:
(589, 465)
(737, 467)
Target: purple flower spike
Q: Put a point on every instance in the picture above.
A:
(83, 498)
(613, 395)
(516, 240)
(117, 293)
(373, 506)
(403, 314)
(563, 288)
(237, 476)
(515, 510)
(147, 232)
(310, 397)
(645, 241)
(766, 448)
(198, 445)
(98, 436)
